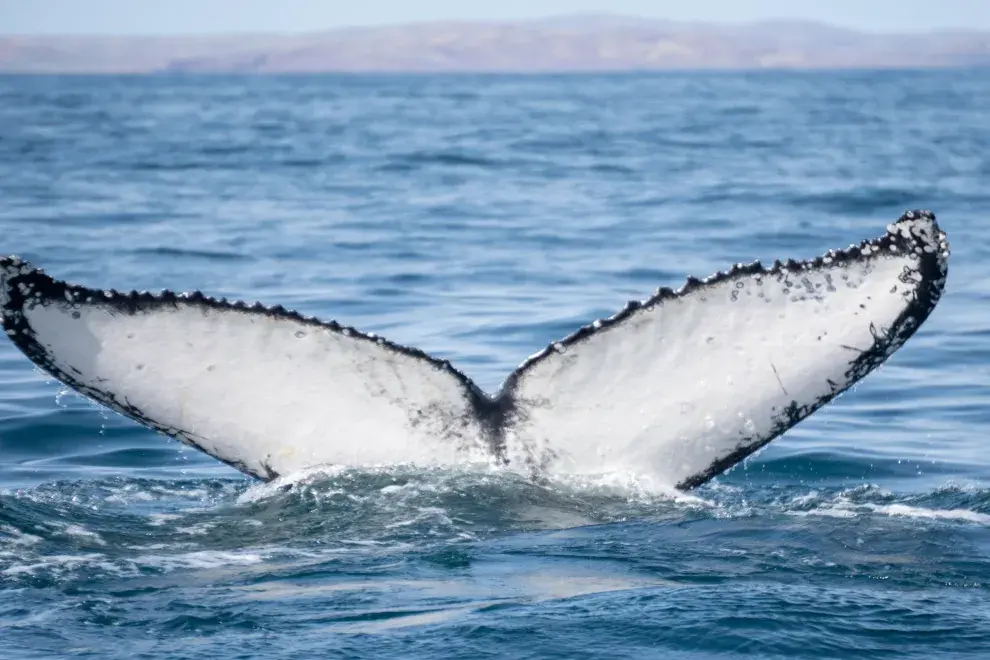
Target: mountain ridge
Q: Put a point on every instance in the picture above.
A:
(575, 42)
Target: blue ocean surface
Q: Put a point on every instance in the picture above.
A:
(479, 218)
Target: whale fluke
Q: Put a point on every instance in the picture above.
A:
(680, 386)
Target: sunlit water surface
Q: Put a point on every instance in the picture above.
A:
(479, 218)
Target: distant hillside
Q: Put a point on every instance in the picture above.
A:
(574, 43)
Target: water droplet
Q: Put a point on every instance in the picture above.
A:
(60, 395)
(300, 334)
(76, 315)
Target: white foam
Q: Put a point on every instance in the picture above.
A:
(17, 538)
(200, 559)
(161, 546)
(836, 511)
(128, 495)
(262, 491)
(200, 529)
(932, 514)
(842, 506)
(52, 563)
(423, 479)
(60, 565)
(159, 519)
(424, 514)
(80, 532)
(632, 486)
(190, 493)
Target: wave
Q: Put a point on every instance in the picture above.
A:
(121, 526)
(213, 255)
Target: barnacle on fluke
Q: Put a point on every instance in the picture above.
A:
(682, 385)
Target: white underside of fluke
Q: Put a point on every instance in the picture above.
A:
(680, 384)
(678, 388)
(269, 393)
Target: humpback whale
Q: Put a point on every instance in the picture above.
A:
(682, 385)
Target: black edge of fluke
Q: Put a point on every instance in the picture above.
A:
(34, 284)
(934, 268)
(21, 285)
(916, 231)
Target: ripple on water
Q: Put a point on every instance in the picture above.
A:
(481, 218)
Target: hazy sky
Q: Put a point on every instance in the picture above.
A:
(216, 16)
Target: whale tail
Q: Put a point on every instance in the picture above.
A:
(681, 386)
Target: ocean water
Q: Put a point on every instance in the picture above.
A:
(479, 218)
